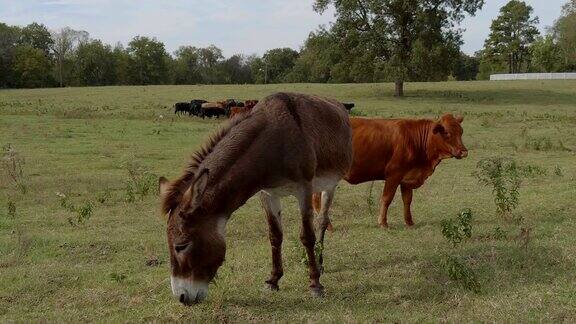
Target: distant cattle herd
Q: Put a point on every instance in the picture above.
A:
(226, 108)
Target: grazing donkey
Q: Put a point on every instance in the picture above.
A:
(289, 144)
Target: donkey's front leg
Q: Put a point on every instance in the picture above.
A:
(308, 238)
(272, 207)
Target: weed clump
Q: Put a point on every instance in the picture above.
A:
(82, 213)
(13, 165)
(455, 230)
(504, 175)
(140, 181)
(456, 267)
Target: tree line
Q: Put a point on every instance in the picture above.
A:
(370, 41)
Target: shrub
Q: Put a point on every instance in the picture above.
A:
(455, 230)
(104, 196)
(544, 144)
(460, 272)
(532, 171)
(558, 171)
(140, 182)
(13, 164)
(82, 213)
(504, 176)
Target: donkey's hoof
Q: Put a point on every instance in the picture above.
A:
(317, 292)
(272, 286)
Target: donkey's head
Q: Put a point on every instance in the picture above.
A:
(195, 237)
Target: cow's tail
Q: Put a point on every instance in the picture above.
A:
(317, 205)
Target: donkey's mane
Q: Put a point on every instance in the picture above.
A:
(177, 188)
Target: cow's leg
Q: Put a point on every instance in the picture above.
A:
(324, 220)
(407, 199)
(308, 238)
(272, 207)
(388, 193)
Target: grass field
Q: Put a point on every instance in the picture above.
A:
(60, 262)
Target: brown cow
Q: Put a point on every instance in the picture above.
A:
(250, 103)
(210, 109)
(238, 110)
(403, 152)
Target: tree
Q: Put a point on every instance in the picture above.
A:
(317, 58)
(466, 67)
(511, 35)
(210, 58)
(236, 70)
(186, 66)
(9, 36)
(564, 31)
(94, 64)
(31, 67)
(149, 61)
(65, 42)
(546, 55)
(37, 36)
(278, 63)
(122, 63)
(402, 33)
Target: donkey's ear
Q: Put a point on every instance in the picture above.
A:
(163, 185)
(199, 187)
(460, 119)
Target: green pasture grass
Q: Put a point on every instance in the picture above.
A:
(114, 267)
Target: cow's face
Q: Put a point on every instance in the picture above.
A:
(448, 132)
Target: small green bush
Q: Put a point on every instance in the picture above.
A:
(460, 272)
(141, 182)
(558, 171)
(504, 176)
(104, 196)
(13, 165)
(82, 214)
(455, 230)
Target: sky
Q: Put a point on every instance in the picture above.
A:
(235, 26)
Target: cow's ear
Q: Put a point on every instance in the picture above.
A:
(460, 119)
(438, 128)
(163, 185)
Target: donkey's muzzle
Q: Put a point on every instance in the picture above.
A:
(187, 300)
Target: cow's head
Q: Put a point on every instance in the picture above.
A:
(448, 137)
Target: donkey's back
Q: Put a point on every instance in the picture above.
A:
(314, 132)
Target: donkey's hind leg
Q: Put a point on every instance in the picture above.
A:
(323, 222)
(272, 207)
(308, 238)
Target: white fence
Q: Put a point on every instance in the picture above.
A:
(533, 76)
